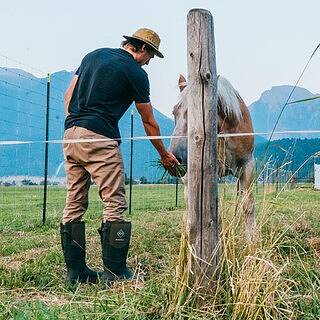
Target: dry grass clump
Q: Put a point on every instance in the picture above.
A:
(250, 281)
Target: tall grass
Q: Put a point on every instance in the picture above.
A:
(252, 279)
(275, 276)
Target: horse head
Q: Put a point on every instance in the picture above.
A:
(234, 153)
(178, 144)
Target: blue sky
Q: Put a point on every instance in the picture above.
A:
(259, 44)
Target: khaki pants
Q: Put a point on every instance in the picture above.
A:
(103, 162)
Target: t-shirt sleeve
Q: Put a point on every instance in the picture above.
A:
(140, 87)
(83, 62)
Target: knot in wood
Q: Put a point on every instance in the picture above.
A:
(191, 54)
(197, 138)
(208, 76)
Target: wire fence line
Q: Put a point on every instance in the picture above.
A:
(29, 67)
(25, 116)
(30, 111)
(291, 93)
(168, 192)
(220, 135)
(29, 90)
(30, 142)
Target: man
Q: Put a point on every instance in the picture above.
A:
(102, 89)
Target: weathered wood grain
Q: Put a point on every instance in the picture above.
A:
(203, 229)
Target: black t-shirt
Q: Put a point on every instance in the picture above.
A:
(109, 80)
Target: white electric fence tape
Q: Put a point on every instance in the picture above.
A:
(220, 135)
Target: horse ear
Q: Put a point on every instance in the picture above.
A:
(182, 83)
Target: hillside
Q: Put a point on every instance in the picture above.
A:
(300, 116)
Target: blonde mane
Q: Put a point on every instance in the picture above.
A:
(228, 98)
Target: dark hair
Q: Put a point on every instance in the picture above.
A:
(137, 44)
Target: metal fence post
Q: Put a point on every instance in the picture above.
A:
(177, 185)
(45, 184)
(131, 159)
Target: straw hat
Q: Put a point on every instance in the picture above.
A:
(148, 36)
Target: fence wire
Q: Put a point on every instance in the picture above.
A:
(22, 129)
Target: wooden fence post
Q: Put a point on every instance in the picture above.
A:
(202, 220)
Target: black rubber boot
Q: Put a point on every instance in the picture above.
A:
(74, 251)
(115, 240)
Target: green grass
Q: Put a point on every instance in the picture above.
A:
(32, 271)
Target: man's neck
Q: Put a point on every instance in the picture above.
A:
(129, 50)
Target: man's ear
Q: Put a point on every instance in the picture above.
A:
(144, 47)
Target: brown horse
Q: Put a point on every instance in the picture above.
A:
(235, 153)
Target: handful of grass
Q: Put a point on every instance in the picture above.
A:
(179, 170)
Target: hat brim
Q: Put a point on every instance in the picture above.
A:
(156, 51)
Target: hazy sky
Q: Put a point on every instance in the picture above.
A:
(259, 44)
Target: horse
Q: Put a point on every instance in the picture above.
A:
(235, 153)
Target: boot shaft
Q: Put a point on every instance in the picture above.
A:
(115, 240)
(73, 240)
(74, 251)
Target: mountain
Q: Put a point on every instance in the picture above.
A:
(23, 112)
(298, 116)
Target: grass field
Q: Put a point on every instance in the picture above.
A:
(32, 271)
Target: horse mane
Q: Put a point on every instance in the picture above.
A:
(228, 102)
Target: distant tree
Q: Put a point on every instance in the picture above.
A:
(167, 179)
(27, 182)
(143, 180)
(126, 179)
(41, 183)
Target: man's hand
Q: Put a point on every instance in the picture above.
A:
(170, 162)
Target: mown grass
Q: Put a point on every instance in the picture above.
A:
(32, 272)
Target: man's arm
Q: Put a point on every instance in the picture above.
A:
(152, 129)
(69, 92)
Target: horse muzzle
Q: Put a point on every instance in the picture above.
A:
(181, 154)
